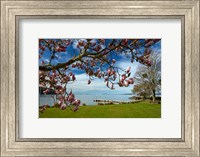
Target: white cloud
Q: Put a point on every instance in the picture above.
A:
(81, 84)
(58, 57)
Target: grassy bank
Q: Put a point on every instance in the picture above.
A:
(136, 110)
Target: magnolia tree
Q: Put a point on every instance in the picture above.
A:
(94, 57)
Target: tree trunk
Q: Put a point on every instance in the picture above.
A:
(154, 95)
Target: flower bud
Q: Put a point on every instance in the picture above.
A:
(75, 108)
(108, 71)
(63, 106)
(130, 81)
(128, 69)
(46, 91)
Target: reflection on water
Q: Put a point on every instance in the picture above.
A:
(87, 99)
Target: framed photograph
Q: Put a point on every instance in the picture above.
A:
(100, 78)
(68, 68)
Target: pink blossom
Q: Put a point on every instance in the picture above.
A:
(114, 61)
(98, 47)
(107, 83)
(60, 102)
(56, 91)
(70, 93)
(63, 106)
(67, 78)
(93, 63)
(112, 86)
(73, 65)
(130, 81)
(76, 102)
(120, 84)
(67, 43)
(123, 77)
(46, 91)
(106, 79)
(132, 60)
(126, 84)
(99, 75)
(128, 69)
(71, 98)
(75, 108)
(148, 62)
(59, 87)
(55, 80)
(54, 74)
(61, 91)
(108, 71)
(70, 74)
(112, 72)
(73, 77)
(125, 41)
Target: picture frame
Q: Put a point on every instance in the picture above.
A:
(12, 145)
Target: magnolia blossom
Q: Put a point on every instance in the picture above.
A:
(113, 60)
(63, 106)
(76, 102)
(46, 91)
(89, 81)
(126, 84)
(108, 71)
(130, 81)
(128, 69)
(75, 108)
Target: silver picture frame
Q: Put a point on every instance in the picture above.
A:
(13, 11)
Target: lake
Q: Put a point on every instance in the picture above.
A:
(87, 99)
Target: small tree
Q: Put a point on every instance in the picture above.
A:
(142, 90)
(148, 78)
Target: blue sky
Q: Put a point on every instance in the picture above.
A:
(97, 86)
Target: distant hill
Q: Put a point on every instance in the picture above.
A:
(42, 89)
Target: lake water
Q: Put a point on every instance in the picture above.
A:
(87, 99)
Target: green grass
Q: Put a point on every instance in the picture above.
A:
(136, 110)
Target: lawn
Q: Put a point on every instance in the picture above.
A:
(136, 110)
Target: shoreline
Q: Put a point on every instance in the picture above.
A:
(109, 102)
